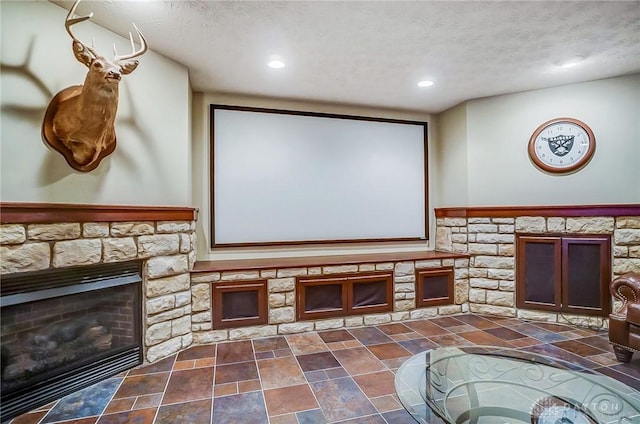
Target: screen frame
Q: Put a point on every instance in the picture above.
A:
(276, 243)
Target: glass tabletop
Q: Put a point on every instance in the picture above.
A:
(494, 385)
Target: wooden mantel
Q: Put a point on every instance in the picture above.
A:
(615, 210)
(48, 213)
(329, 260)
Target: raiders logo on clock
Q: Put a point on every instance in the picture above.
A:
(562, 145)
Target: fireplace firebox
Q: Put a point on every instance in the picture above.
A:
(65, 329)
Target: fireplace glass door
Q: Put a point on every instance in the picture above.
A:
(63, 330)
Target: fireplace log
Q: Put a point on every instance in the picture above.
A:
(103, 342)
(41, 352)
(21, 365)
(93, 333)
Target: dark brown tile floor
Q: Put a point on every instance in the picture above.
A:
(344, 375)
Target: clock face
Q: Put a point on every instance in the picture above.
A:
(562, 145)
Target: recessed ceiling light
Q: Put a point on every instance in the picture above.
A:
(425, 83)
(275, 63)
(571, 62)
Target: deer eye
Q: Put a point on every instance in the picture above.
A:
(97, 65)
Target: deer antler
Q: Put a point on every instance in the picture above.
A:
(69, 22)
(134, 53)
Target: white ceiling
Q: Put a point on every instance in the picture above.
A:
(373, 53)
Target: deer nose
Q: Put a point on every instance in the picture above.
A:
(114, 74)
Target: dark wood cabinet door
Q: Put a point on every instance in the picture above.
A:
(370, 293)
(321, 298)
(538, 273)
(238, 304)
(434, 287)
(343, 295)
(586, 272)
(564, 273)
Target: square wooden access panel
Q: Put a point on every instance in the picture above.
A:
(434, 287)
(564, 273)
(352, 294)
(239, 304)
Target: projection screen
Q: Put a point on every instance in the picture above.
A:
(287, 177)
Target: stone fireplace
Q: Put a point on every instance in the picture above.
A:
(81, 284)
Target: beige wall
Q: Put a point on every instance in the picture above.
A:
(151, 164)
(495, 163)
(478, 150)
(201, 155)
(450, 146)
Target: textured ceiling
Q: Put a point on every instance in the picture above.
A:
(373, 53)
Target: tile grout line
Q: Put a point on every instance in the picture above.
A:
(113, 395)
(353, 375)
(308, 383)
(213, 381)
(262, 389)
(164, 391)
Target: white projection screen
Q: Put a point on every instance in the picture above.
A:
(283, 177)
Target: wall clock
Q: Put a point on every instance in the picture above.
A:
(562, 145)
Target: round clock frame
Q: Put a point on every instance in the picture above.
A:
(559, 145)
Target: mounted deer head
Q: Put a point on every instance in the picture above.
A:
(79, 121)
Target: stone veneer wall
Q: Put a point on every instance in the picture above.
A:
(167, 249)
(176, 299)
(282, 297)
(490, 242)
